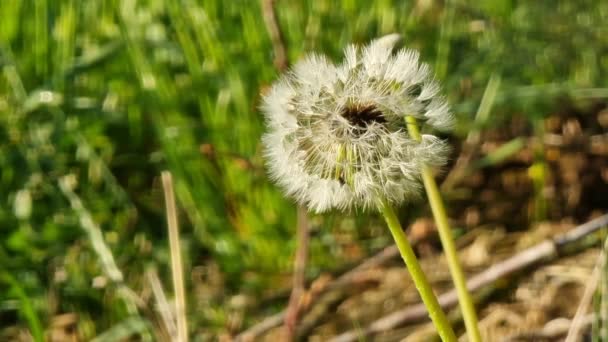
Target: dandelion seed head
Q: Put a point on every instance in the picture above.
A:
(336, 136)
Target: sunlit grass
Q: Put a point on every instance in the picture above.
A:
(116, 91)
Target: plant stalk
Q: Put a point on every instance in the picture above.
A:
(176, 258)
(445, 235)
(444, 329)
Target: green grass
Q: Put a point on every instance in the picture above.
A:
(113, 92)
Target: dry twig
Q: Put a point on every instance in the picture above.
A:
(176, 258)
(276, 36)
(299, 273)
(164, 309)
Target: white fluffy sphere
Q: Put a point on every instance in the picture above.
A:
(336, 136)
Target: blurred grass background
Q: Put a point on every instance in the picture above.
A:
(112, 92)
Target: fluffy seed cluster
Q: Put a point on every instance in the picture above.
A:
(336, 136)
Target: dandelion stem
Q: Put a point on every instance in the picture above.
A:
(464, 297)
(424, 288)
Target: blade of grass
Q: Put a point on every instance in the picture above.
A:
(176, 258)
(574, 332)
(501, 153)
(41, 43)
(27, 308)
(163, 307)
(462, 168)
(103, 252)
(124, 330)
(443, 46)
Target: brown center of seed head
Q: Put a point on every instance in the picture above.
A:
(362, 115)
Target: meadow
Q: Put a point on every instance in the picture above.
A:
(98, 97)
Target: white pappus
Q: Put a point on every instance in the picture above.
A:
(336, 136)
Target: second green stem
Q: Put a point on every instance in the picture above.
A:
(445, 235)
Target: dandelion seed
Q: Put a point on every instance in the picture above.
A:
(336, 137)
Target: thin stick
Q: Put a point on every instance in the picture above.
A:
(577, 321)
(276, 36)
(603, 305)
(176, 258)
(444, 329)
(299, 273)
(545, 250)
(447, 241)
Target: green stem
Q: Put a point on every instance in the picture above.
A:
(424, 288)
(441, 219)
